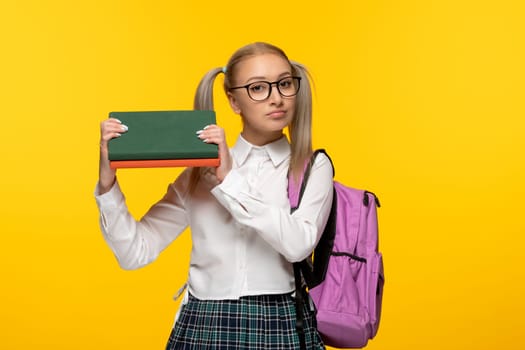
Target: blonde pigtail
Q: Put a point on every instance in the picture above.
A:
(300, 129)
(203, 101)
(204, 95)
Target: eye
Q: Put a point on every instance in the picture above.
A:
(286, 83)
(258, 87)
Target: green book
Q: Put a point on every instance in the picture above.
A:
(162, 135)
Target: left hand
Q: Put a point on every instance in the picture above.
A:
(215, 134)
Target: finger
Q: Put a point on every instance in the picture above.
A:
(114, 125)
(110, 136)
(217, 139)
(112, 129)
(110, 121)
(109, 132)
(211, 134)
(207, 129)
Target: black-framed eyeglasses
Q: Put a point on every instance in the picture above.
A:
(261, 90)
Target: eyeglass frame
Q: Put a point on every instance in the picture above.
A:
(276, 83)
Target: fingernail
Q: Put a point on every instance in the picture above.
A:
(205, 140)
(124, 127)
(118, 120)
(198, 132)
(119, 135)
(205, 127)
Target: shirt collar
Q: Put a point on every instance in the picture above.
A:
(278, 150)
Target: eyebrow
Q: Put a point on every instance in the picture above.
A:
(261, 78)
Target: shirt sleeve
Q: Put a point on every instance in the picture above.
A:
(137, 243)
(292, 235)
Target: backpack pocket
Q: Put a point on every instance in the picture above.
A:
(342, 317)
(375, 295)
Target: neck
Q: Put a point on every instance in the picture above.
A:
(261, 139)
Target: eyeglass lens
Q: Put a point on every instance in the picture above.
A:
(261, 90)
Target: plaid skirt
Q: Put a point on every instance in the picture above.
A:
(252, 322)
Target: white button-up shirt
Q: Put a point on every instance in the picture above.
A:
(243, 235)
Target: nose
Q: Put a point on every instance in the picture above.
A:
(275, 95)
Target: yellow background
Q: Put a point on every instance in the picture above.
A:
(419, 101)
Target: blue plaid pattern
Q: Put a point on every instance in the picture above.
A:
(253, 322)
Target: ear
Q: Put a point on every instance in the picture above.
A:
(233, 103)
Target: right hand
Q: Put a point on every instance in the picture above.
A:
(215, 134)
(109, 129)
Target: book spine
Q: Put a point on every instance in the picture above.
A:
(203, 162)
(161, 155)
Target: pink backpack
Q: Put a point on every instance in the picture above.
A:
(345, 280)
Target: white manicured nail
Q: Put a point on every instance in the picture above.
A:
(198, 132)
(124, 127)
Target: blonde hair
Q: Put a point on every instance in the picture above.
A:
(299, 130)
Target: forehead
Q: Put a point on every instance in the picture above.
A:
(265, 66)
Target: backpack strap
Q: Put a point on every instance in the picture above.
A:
(307, 171)
(365, 199)
(322, 150)
(299, 301)
(304, 268)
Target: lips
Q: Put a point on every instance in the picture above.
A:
(277, 113)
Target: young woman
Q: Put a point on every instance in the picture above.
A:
(240, 282)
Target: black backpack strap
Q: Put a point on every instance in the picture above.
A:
(322, 150)
(299, 301)
(313, 273)
(309, 168)
(304, 268)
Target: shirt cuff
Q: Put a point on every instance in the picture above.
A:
(231, 185)
(111, 198)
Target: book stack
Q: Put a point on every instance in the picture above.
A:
(162, 139)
